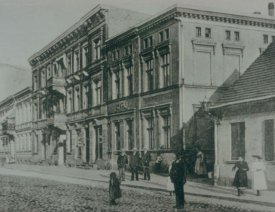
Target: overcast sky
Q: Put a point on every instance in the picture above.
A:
(28, 25)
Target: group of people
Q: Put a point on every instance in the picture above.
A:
(177, 174)
(258, 175)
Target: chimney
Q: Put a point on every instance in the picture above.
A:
(270, 9)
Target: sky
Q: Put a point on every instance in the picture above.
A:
(26, 26)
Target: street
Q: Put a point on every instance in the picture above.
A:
(33, 194)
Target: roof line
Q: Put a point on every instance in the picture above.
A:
(242, 101)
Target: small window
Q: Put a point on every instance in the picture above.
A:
(148, 42)
(265, 37)
(198, 32)
(273, 38)
(207, 32)
(237, 36)
(228, 34)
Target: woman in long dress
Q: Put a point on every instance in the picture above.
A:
(259, 180)
(200, 165)
(240, 180)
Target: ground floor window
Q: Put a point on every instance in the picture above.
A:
(237, 140)
(99, 142)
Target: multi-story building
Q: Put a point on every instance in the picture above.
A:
(16, 117)
(160, 71)
(69, 102)
(144, 87)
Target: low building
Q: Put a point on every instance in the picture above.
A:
(15, 135)
(244, 120)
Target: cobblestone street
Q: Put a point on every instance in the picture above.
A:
(31, 194)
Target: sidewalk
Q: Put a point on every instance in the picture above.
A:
(157, 183)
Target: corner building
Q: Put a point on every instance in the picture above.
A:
(69, 102)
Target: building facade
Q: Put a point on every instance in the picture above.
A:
(107, 85)
(70, 112)
(16, 117)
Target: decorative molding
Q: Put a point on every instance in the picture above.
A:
(205, 43)
(233, 48)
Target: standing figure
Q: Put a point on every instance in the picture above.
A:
(134, 164)
(170, 186)
(146, 158)
(178, 178)
(240, 180)
(122, 160)
(258, 169)
(200, 165)
(114, 188)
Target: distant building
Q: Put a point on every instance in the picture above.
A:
(245, 116)
(108, 83)
(15, 134)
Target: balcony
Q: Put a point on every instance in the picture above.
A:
(8, 126)
(58, 120)
(57, 84)
(38, 124)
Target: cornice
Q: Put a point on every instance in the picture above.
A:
(74, 33)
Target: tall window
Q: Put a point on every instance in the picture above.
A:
(207, 32)
(99, 142)
(117, 136)
(43, 78)
(69, 102)
(269, 140)
(198, 32)
(148, 42)
(149, 74)
(77, 99)
(237, 36)
(96, 49)
(117, 83)
(166, 131)
(97, 92)
(85, 97)
(49, 71)
(150, 131)
(69, 144)
(237, 140)
(69, 64)
(265, 38)
(85, 54)
(228, 35)
(35, 83)
(165, 73)
(76, 61)
(130, 134)
(130, 84)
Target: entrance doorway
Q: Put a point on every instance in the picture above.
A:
(98, 137)
(87, 132)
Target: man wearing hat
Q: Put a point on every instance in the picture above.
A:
(122, 160)
(134, 163)
(146, 158)
(178, 178)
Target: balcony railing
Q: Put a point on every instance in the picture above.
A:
(56, 81)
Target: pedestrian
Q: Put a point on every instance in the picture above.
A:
(170, 186)
(200, 165)
(114, 188)
(134, 164)
(158, 163)
(122, 160)
(259, 180)
(240, 179)
(146, 158)
(178, 178)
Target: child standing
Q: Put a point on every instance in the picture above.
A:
(114, 188)
(170, 186)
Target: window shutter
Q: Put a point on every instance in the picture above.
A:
(269, 139)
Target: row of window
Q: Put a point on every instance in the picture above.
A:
(91, 96)
(125, 140)
(238, 140)
(266, 40)
(23, 113)
(163, 35)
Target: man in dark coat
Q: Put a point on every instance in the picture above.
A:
(122, 160)
(146, 158)
(178, 178)
(134, 164)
